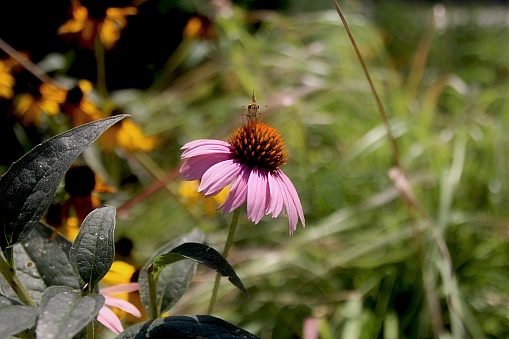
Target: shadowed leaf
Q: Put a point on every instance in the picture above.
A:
(173, 280)
(14, 317)
(29, 185)
(186, 327)
(64, 312)
(203, 254)
(41, 261)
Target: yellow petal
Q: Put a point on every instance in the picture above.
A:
(6, 80)
(53, 93)
(71, 26)
(109, 33)
(50, 107)
(24, 102)
(6, 92)
(120, 273)
(85, 86)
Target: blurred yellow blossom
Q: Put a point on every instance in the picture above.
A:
(81, 184)
(70, 229)
(86, 23)
(31, 106)
(127, 135)
(199, 27)
(119, 273)
(6, 80)
(188, 191)
(80, 109)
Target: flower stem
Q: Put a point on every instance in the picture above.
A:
(101, 68)
(90, 330)
(227, 246)
(381, 109)
(152, 289)
(9, 273)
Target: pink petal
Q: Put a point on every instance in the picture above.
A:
(201, 147)
(200, 142)
(276, 197)
(219, 176)
(120, 288)
(294, 195)
(290, 209)
(238, 192)
(195, 167)
(257, 195)
(122, 304)
(110, 320)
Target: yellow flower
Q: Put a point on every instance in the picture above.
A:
(31, 106)
(86, 26)
(6, 81)
(127, 135)
(79, 109)
(199, 27)
(70, 229)
(119, 273)
(188, 190)
(81, 184)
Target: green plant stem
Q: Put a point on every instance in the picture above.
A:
(383, 114)
(152, 290)
(227, 246)
(101, 68)
(90, 330)
(9, 273)
(414, 207)
(9, 257)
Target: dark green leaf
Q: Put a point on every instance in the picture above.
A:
(93, 250)
(49, 253)
(203, 254)
(186, 327)
(64, 312)
(174, 280)
(16, 318)
(28, 187)
(42, 261)
(6, 301)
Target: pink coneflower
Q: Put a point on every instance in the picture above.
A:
(106, 316)
(251, 159)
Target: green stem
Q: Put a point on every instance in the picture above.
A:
(101, 68)
(227, 246)
(9, 257)
(152, 289)
(9, 273)
(383, 114)
(90, 330)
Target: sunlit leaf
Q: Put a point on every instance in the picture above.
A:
(174, 279)
(93, 250)
(14, 317)
(28, 187)
(64, 312)
(202, 254)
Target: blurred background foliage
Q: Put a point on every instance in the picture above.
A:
(367, 265)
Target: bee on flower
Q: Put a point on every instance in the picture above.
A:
(250, 159)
